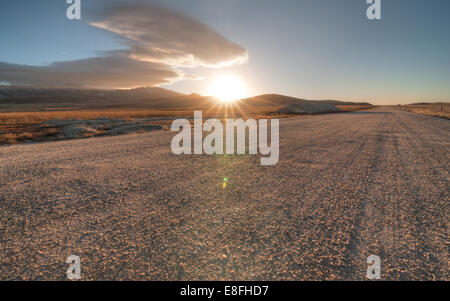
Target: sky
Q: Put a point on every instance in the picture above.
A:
(311, 49)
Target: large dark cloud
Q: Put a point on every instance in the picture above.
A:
(160, 41)
(101, 72)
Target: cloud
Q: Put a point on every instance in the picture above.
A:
(160, 35)
(100, 72)
(160, 43)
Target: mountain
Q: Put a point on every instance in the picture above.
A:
(56, 95)
(20, 98)
(281, 100)
(342, 103)
(272, 100)
(34, 99)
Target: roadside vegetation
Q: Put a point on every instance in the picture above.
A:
(24, 127)
(433, 109)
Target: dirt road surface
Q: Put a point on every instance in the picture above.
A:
(347, 186)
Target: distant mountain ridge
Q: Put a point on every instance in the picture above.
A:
(30, 98)
(277, 99)
(11, 91)
(48, 98)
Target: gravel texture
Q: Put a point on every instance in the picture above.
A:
(347, 186)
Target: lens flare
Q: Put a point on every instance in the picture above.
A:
(224, 185)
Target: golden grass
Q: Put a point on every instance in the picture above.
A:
(436, 110)
(349, 108)
(38, 117)
(14, 118)
(17, 127)
(30, 135)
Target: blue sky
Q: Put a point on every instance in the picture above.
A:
(314, 49)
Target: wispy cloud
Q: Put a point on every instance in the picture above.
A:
(160, 35)
(160, 44)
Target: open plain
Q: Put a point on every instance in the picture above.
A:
(347, 186)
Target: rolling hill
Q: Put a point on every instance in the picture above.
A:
(47, 99)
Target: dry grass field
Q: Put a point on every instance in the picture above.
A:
(17, 127)
(437, 109)
(349, 108)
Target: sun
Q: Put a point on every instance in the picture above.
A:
(228, 88)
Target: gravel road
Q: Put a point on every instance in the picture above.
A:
(347, 186)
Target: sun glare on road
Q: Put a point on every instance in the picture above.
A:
(228, 88)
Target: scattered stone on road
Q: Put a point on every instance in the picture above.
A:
(347, 186)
